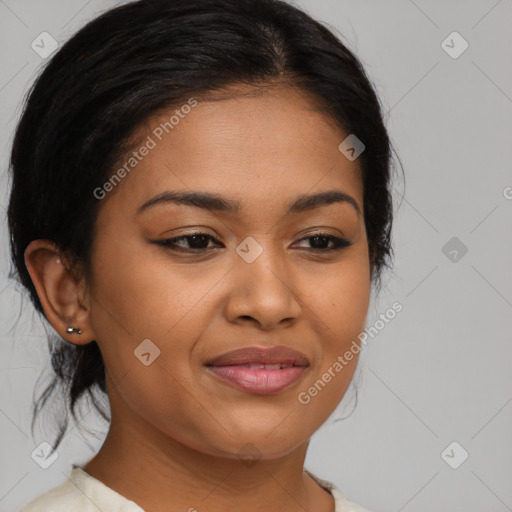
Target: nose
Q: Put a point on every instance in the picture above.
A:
(263, 292)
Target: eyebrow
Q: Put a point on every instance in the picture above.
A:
(215, 202)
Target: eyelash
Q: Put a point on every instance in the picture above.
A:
(170, 243)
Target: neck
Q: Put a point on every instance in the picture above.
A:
(160, 474)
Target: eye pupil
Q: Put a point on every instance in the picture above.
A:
(197, 241)
(315, 239)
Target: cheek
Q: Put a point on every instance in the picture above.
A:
(141, 297)
(339, 306)
(340, 314)
(138, 298)
(143, 292)
(339, 295)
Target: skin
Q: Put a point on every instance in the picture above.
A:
(177, 433)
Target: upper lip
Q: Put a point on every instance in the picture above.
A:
(264, 355)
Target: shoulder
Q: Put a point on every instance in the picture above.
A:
(81, 493)
(64, 497)
(341, 503)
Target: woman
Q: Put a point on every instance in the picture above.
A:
(210, 205)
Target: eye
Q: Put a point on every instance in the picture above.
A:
(188, 243)
(319, 240)
(199, 242)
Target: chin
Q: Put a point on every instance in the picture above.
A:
(248, 446)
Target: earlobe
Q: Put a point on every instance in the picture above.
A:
(59, 292)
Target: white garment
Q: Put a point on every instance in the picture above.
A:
(84, 493)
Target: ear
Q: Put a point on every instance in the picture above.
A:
(60, 292)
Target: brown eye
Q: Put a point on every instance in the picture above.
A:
(188, 243)
(320, 242)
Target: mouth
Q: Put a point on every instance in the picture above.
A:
(260, 370)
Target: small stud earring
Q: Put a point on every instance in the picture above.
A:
(71, 330)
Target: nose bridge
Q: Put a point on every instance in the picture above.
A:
(263, 286)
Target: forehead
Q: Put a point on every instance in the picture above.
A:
(262, 146)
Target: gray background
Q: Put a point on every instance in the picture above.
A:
(441, 370)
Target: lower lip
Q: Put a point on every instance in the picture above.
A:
(259, 381)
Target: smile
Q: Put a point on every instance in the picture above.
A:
(260, 370)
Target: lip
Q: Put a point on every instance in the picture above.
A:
(260, 370)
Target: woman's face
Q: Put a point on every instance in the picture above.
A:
(256, 277)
